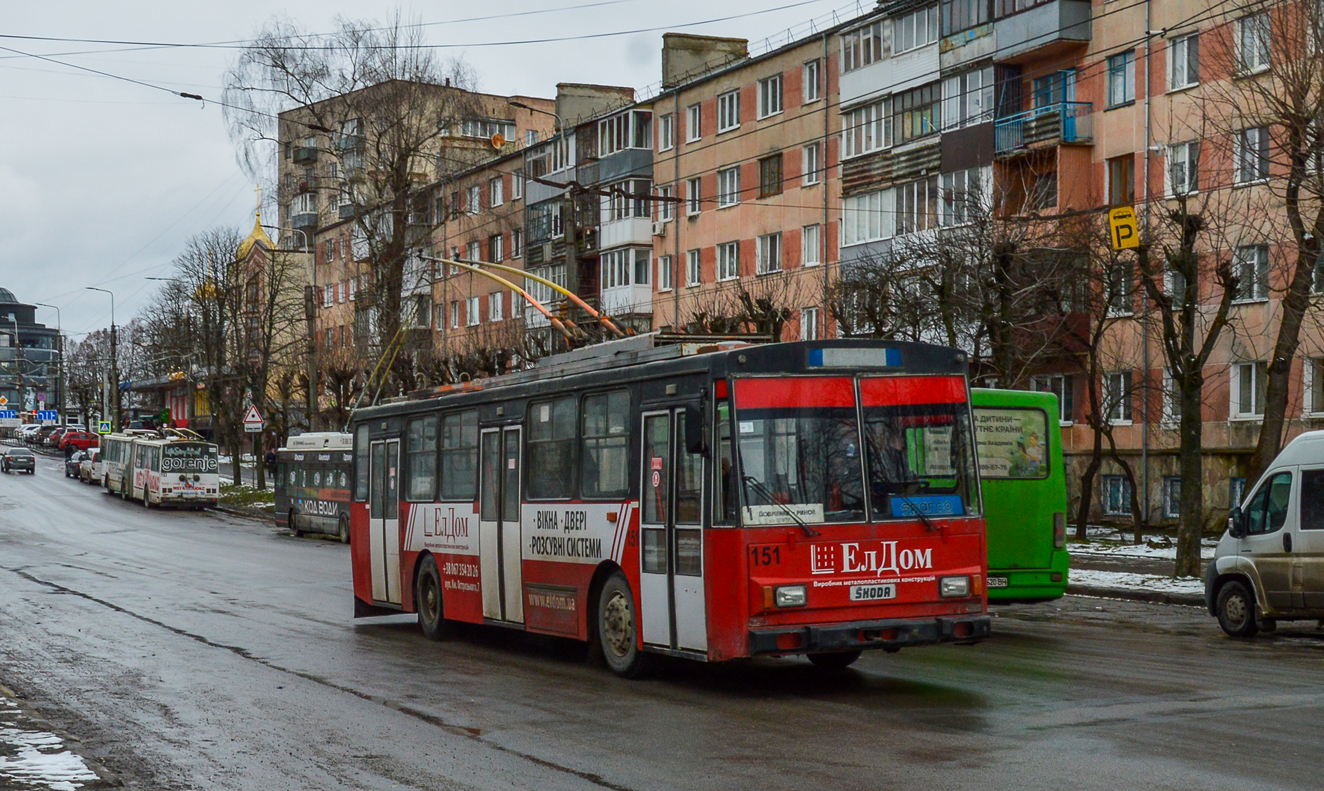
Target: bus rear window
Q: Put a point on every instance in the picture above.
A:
(1013, 443)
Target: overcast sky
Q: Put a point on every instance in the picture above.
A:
(102, 180)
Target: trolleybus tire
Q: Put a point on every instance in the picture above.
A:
(427, 600)
(1236, 610)
(834, 662)
(344, 528)
(293, 528)
(618, 623)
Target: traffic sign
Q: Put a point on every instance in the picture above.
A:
(48, 417)
(1125, 232)
(9, 418)
(103, 427)
(253, 421)
(4, 401)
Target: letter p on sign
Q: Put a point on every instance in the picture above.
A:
(1125, 233)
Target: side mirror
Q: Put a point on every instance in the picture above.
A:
(696, 435)
(1235, 522)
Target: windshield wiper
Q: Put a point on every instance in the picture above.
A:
(767, 495)
(923, 517)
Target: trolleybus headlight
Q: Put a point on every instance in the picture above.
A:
(952, 587)
(790, 596)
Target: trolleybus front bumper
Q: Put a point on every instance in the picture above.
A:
(891, 634)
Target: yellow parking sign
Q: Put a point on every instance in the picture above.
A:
(1125, 232)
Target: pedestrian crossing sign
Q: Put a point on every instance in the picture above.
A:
(103, 427)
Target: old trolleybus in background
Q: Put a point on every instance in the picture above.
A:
(174, 467)
(713, 502)
(312, 484)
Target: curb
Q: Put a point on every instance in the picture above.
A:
(1131, 594)
(246, 513)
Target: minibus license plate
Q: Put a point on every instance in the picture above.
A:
(872, 592)
(997, 582)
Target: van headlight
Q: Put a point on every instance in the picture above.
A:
(953, 587)
(790, 596)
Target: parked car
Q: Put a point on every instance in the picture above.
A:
(81, 440)
(71, 464)
(1269, 564)
(18, 459)
(53, 439)
(89, 469)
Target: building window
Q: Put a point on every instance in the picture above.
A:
(1184, 61)
(768, 249)
(1122, 78)
(328, 295)
(455, 314)
(810, 252)
(728, 261)
(693, 268)
(666, 132)
(1252, 154)
(728, 111)
(474, 251)
(625, 201)
(866, 129)
(770, 176)
(958, 15)
(494, 306)
(693, 114)
(633, 129)
(1172, 496)
(494, 248)
(728, 187)
(915, 113)
(812, 163)
(517, 243)
(809, 81)
(530, 137)
(808, 324)
(1251, 266)
(693, 196)
(474, 200)
(495, 191)
(1171, 400)
(666, 208)
(770, 96)
(342, 291)
(664, 273)
(1120, 285)
(917, 206)
(1117, 396)
(517, 185)
(915, 29)
(1122, 180)
(867, 218)
(1253, 43)
(643, 266)
(1183, 168)
(861, 47)
(1116, 495)
(615, 269)
(1059, 385)
(1043, 192)
(1313, 372)
(967, 99)
(1249, 381)
(961, 193)
(471, 316)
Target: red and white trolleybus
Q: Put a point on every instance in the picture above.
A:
(712, 500)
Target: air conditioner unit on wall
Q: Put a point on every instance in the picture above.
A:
(659, 229)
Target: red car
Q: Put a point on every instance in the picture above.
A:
(81, 440)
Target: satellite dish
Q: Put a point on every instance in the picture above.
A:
(498, 141)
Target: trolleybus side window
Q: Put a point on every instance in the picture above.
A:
(459, 456)
(724, 488)
(606, 445)
(421, 459)
(361, 464)
(689, 505)
(552, 449)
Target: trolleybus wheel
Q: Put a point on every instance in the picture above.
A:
(427, 600)
(618, 623)
(837, 661)
(147, 499)
(1236, 610)
(344, 528)
(293, 526)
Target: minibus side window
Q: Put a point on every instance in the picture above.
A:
(1267, 511)
(1312, 500)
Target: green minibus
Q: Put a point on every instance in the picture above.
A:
(1019, 443)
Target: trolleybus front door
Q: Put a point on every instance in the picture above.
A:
(671, 537)
(384, 520)
(500, 539)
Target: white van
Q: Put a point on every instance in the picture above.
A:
(1269, 565)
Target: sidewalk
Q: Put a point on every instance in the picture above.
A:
(32, 756)
(1109, 565)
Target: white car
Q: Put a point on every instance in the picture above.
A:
(89, 469)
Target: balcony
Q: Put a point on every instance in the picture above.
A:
(1064, 123)
(346, 211)
(1040, 29)
(304, 154)
(304, 221)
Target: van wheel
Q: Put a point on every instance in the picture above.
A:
(834, 662)
(427, 600)
(344, 528)
(618, 628)
(1236, 610)
(294, 526)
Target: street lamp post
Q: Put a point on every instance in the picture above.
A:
(114, 362)
(18, 363)
(59, 343)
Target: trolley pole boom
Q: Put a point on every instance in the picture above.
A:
(602, 317)
(557, 323)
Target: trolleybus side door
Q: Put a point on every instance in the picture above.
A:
(671, 536)
(384, 519)
(501, 540)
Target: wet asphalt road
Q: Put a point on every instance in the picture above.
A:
(204, 651)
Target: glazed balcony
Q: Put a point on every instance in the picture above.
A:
(1029, 27)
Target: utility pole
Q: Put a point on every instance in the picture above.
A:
(59, 349)
(114, 363)
(18, 363)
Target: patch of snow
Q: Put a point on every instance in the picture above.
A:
(1126, 580)
(1148, 550)
(42, 761)
(224, 459)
